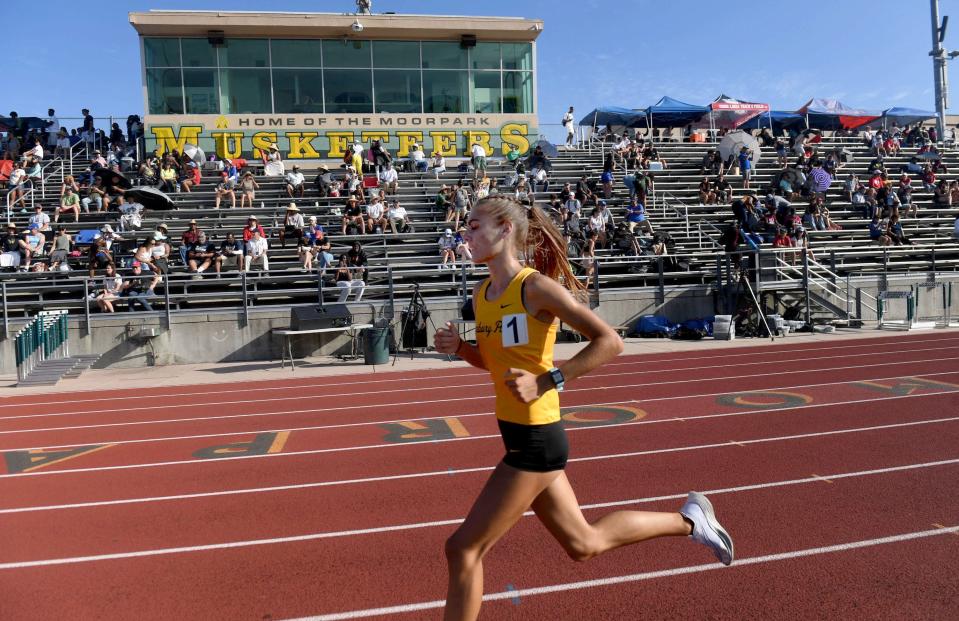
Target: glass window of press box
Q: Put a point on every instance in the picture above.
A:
(277, 76)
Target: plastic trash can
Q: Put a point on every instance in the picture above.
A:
(376, 345)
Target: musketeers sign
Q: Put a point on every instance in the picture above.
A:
(306, 136)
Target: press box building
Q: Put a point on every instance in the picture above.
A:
(236, 82)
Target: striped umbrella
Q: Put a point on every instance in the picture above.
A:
(821, 180)
(734, 141)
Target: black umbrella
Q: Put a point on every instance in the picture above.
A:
(549, 149)
(112, 178)
(150, 198)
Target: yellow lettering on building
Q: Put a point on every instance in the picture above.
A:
(383, 137)
(228, 145)
(301, 146)
(444, 143)
(168, 140)
(407, 140)
(262, 142)
(480, 138)
(514, 134)
(339, 143)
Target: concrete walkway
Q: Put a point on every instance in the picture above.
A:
(213, 373)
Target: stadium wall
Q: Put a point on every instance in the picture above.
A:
(222, 336)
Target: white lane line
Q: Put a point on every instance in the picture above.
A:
(486, 383)
(471, 415)
(488, 396)
(306, 384)
(38, 473)
(431, 524)
(649, 575)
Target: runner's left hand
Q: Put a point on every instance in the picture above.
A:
(523, 384)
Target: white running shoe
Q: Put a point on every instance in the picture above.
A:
(706, 528)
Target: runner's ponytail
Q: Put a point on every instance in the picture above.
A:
(535, 235)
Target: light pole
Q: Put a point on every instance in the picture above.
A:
(939, 57)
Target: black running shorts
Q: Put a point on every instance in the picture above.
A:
(536, 448)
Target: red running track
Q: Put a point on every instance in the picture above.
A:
(833, 466)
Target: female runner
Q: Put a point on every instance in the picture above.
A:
(517, 309)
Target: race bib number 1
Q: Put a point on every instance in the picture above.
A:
(514, 330)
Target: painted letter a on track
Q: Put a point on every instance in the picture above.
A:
(261, 444)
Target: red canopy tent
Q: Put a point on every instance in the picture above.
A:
(728, 113)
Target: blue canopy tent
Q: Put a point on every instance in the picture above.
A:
(832, 114)
(777, 120)
(902, 116)
(669, 112)
(612, 115)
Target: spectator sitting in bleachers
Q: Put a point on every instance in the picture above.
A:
(399, 219)
(941, 197)
(273, 165)
(252, 225)
(895, 232)
(108, 236)
(928, 178)
(63, 144)
(200, 255)
(39, 218)
(439, 164)
(60, 249)
(161, 253)
(295, 182)
(110, 287)
(69, 203)
(636, 216)
(10, 248)
(190, 177)
(712, 163)
(98, 257)
(352, 217)
(356, 258)
(256, 252)
(812, 218)
(596, 226)
(136, 288)
(248, 187)
(322, 181)
(540, 179)
(462, 248)
(189, 239)
(347, 280)
(293, 224)
(447, 248)
(168, 178)
(420, 163)
(225, 189)
(96, 195)
(389, 179)
(376, 221)
(35, 152)
(17, 186)
(706, 194)
(572, 208)
(877, 231)
(32, 246)
(230, 250)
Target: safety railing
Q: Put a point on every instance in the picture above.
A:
(27, 193)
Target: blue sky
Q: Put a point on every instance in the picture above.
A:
(868, 53)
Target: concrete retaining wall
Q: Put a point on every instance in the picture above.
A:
(224, 336)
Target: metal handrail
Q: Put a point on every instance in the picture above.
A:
(29, 192)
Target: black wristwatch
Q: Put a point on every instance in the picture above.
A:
(558, 380)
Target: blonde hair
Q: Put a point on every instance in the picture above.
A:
(535, 235)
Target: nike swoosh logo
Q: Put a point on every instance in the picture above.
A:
(505, 305)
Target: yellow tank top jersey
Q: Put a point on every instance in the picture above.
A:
(509, 337)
